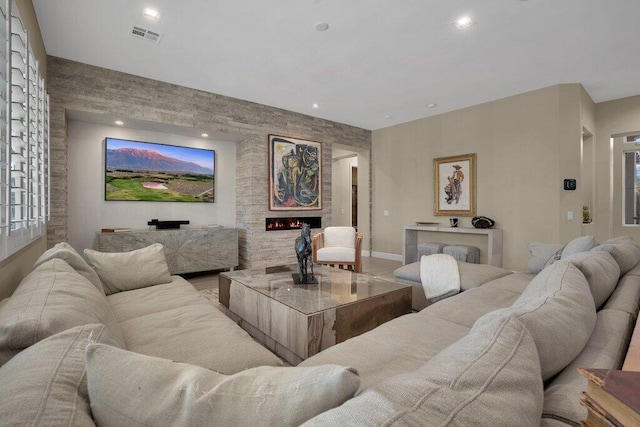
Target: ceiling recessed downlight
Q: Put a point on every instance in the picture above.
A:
(387, 117)
(204, 135)
(152, 14)
(432, 105)
(464, 22)
(119, 122)
(315, 105)
(322, 26)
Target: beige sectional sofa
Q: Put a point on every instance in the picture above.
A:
(168, 319)
(579, 312)
(503, 353)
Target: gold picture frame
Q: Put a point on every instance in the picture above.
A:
(454, 185)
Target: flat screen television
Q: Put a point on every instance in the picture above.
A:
(149, 172)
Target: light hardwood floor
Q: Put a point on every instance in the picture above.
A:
(379, 267)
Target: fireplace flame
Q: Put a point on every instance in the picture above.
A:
(291, 223)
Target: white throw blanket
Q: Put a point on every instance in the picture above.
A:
(439, 275)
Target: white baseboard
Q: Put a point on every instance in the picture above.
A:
(383, 255)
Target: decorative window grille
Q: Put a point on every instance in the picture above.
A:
(24, 137)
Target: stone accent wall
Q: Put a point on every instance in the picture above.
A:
(80, 87)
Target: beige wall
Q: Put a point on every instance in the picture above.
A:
(525, 144)
(14, 268)
(621, 116)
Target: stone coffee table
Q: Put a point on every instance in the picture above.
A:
(298, 321)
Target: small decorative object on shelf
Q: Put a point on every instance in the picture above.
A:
(303, 251)
(586, 213)
(612, 397)
(453, 222)
(482, 222)
(115, 230)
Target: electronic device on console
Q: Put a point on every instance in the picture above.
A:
(167, 225)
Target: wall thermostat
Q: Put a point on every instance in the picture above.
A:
(569, 184)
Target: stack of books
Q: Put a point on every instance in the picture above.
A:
(115, 230)
(612, 397)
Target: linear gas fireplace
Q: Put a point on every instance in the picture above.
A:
(292, 223)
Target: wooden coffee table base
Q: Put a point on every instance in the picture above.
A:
(295, 335)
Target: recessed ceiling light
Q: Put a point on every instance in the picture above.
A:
(432, 105)
(315, 105)
(151, 14)
(119, 122)
(322, 26)
(204, 135)
(388, 117)
(464, 22)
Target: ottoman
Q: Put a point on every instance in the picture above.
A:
(465, 253)
(430, 248)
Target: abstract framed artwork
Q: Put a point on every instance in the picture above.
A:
(295, 174)
(454, 187)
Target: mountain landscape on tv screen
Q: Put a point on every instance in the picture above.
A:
(139, 174)
(151, 160)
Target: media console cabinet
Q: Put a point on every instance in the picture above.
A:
(186, 250)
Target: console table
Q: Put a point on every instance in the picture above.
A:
(186, 250)
(410, 241)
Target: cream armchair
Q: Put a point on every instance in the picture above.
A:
(338, 246)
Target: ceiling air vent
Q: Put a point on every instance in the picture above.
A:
(144, 34)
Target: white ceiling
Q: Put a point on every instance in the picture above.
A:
(378, 58)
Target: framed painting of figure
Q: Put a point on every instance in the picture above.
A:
(295, 174)
(454, 188)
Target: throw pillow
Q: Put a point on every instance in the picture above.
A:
(46, 385)
(555, 257)
(619, 239)
(580, 244)
(65, 251)
(626, 296)
(541, 255)
(635, 271)
(127, 388)
(558, 310)
(600, 270)
(51, 299)
(490, 377)
(625, 251)
(124, 271)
